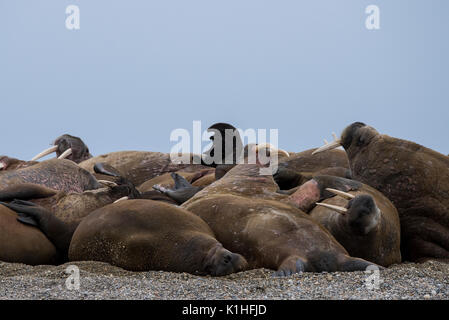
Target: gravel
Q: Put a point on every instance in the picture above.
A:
(429, 280)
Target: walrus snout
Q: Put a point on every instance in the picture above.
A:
(363, 214)
(225, 262)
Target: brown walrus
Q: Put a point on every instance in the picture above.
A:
(413, 177)
(165, 180)
(8, 163)
(249, 217)
(362, 219)
(140, 166)
(138, 235)
(57, 174)
(20, 243)
(67, 147)
(302, 166)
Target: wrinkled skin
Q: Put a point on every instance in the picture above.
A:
(61, 175)
(363, 231)
(414, 178)
(20, 243)
(69, 207)
(142, 235)
(249, 217)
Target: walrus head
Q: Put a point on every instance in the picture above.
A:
(226, 147)
(361, 212)
(220, 262)
(354, 137)
(6, 162)
(67, 147)
(121, 188)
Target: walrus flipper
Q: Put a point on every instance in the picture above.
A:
(25, 216)
(291, 265)
(26, 191)
(182, 190)
(180, 181)
(57, 231)
(104, 168)
(26, 219)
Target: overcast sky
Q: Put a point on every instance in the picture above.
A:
(136, 70)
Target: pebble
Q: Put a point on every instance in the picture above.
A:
(103, 281)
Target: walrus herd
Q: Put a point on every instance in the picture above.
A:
(379, 201)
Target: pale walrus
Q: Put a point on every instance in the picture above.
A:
(138, 235)
(413, 177)
(249, 217)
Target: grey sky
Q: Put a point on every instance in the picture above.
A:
(136, 70)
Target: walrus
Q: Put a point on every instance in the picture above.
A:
(57, 174)
(20, 243)
(140, 166)
(70, 206)
(227, 146)
(413, 177)
(8, 163)
(249, 217)
(360, 218)
(165, 180)
(302, 166)
(139, 235)
(67, 147)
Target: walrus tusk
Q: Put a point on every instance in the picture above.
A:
(329, 146)
(121, 199)
(272, 149)
(335, 136)
(325, 141)
(335, 208)
(45, 152)
(108, 183)
(341, 193)
(65, 154)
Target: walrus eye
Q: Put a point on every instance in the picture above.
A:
(360, 141)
